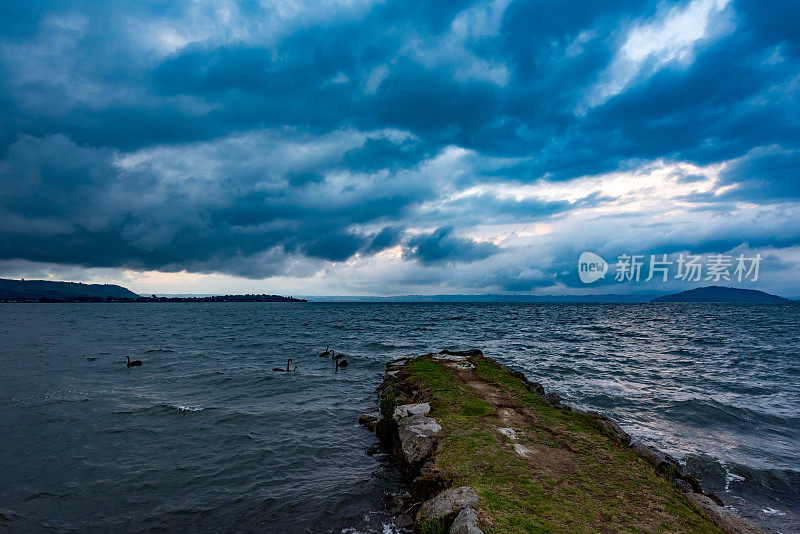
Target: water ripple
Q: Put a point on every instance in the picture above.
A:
(205, 437)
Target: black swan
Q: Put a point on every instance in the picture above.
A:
(340, 362)
(288, 369)
(134, 363)
(326, 353)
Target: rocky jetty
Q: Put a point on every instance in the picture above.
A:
(487, 450)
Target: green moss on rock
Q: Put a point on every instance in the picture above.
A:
(536, 467)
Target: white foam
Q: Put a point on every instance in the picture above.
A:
(189, 408)
(387, 528)
(732, 477)
(772, 511)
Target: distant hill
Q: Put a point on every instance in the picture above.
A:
(221, 298)
(723, 294)
(493, 298)
(42, 290)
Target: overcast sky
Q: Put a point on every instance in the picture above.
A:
(364, 147)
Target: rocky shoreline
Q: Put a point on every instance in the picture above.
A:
(436, 502)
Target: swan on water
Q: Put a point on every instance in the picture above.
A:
(288, 367)
(340, 362)
(134, 363)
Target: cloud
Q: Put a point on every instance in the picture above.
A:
(764, 173)
(441, 246)
(458, 47)
(388, 237)
(437, 142)
(670, 39)
(212, 206)
(384, 153)
(335, 246)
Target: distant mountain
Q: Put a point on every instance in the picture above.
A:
(221, 298)
(492, 298)
(723, 294)
(42, 290)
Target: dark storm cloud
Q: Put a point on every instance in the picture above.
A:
(703, 113)
(488, 209)
(83, 85)
(765, 173)
(335, 246)
(294, 82)
(66, 203)
(383, 153)
(441, 246)
(388, 237)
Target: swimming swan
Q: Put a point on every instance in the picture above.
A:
(288, 369)
(134, 363)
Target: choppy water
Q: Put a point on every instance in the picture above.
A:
(205, 437)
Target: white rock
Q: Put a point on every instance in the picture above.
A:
(417, 437)
(449, 503)
(508, 432)
(407, 410)
(522, 450)
(466, 522)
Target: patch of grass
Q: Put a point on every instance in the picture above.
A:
(388, 403)
(436, 378)
(474, 407)
(579, 478)
(431, 525)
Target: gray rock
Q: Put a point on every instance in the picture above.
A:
(466, 522)
(416, 434)
(370, 420)
(407, 410)
(449, 503)
(397, 364)
(404, 521)
(425, 468)
(659, 459)
(464, 353)
(553, 399)
(535, 387)
(728, 521)
(398, 503)
(684, 486)
(367, 418)
(614, 428)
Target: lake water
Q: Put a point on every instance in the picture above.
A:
(205, 437)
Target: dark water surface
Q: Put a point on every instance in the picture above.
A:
(205, 437)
